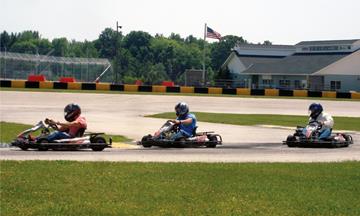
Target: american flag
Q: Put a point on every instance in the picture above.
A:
(212, 34)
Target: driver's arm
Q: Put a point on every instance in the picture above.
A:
(329, 121)
(185, 122)
(66, 125)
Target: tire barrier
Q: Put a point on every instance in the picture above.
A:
(176, 89)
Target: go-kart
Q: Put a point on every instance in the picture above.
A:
(26, 140)
(308, 136)
(162, 138)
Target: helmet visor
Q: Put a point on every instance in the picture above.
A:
(177, 111)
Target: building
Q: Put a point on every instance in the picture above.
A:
(314, 65)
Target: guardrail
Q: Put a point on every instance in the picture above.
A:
(175, 89)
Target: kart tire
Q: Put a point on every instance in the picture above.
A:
(144, 140)
(290, 141)
(43, 148)
(181, 143)
(348, 139)
(212, 139)
(98, 140)
(97, 148)
(24, 148)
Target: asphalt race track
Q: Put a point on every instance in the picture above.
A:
(124, 114)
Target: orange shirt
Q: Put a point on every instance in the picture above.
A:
(74, 129)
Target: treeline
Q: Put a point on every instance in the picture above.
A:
(137, 55)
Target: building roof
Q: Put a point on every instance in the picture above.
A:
(250, 60)
(327, 42)
(349, 65)
(298, 64)
(262, 46)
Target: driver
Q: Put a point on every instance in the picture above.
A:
(69, 129)
(325, 119)
(185, 120)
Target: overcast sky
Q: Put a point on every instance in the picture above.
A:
(280, 21)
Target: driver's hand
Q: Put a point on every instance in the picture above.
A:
(52, 122)
(177, 122)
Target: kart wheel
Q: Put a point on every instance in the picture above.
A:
(42, 142)
(290, 141)
(182, 143)
(98, 140)
(348, 139)
(24, 148)
(213, 140)
(144, 141)
(97, 148)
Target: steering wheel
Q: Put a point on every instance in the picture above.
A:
(52, 125)
(317, 123)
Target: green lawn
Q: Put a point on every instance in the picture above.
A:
(108, 188)
(163, 93)
(341, 123)
(9, 131)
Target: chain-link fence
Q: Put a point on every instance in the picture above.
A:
(20, 66)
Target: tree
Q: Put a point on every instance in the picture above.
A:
(43, 46)
(267, 42)
(107, 43)
(222, 49)
(7, 40)
(176, 37)
(156, 75)
(28, 35)
(136, 51)
(25, 42)
(176, 56)
(138, 44)
(90, 49)
(24, 47)
(61, 46)
(193, 40)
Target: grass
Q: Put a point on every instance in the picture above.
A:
(108, 188)
(163, 93)
(9, 131)
(341, 123)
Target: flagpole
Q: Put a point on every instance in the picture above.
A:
(203, 73)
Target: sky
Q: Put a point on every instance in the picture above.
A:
(279, 21)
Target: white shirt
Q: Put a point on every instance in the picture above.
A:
(326, 119)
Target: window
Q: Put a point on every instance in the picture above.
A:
(344, 47)
(267, 82)
(284, 83)
(335, 85)
(297, 84)
(323, 48)
(305, 49)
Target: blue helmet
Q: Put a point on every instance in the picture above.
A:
(315, 109)
(181, 109)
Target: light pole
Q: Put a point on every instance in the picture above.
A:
(116, 51)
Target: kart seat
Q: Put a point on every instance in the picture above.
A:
(194, 131)
(80, 132)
